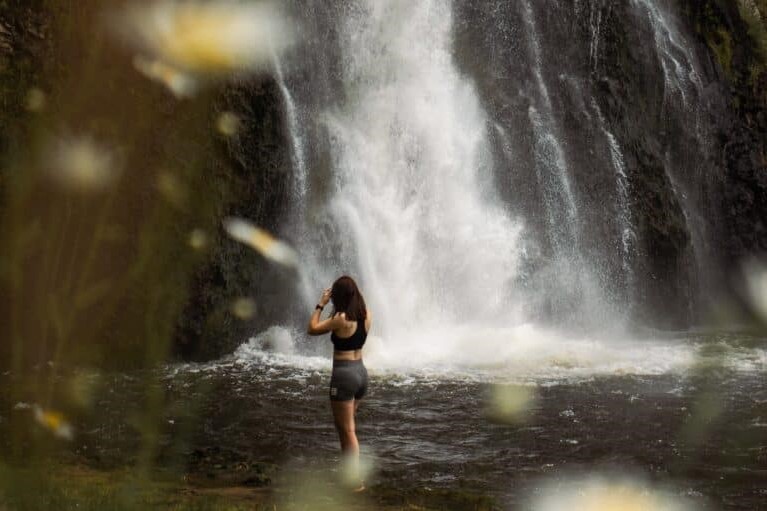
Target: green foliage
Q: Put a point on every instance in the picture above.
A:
(736, 33)
(68, 488)
(720, 42)
(757, 31)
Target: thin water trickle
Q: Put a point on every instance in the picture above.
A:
(678, 69)
(622, 185)
(552, 160)
(294, 130)
(595, 22)
(549, 168)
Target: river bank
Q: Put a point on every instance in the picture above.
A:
(78, 486)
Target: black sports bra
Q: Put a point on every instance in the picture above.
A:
(355, 342)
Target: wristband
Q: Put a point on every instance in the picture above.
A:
(319, 307)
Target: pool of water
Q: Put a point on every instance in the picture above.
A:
(697, 430)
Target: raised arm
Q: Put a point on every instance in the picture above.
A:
(319, 327)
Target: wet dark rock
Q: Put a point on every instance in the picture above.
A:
(742, 139)
(256, 169)
(24, 43)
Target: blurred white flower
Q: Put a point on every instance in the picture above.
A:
(54, 422)
(218, 37)
(198, 239)
(596, 493)
(510, 403)
(260, 240)
(243, 308)
(228, 124)
(36, 100)
(355, 471)
(172, 189)
(83, 386)
(81, 163)
(180, 84)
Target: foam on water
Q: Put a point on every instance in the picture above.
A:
(522, 353)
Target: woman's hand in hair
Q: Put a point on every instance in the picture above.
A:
(325, 298)
(318, 326)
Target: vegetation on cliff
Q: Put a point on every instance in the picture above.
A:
(103, 278)
(736, 34)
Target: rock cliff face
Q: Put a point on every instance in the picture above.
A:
(678, 89)
(25, 38)
(178, 175)
(735, 34)
(630, 136)
(257, 176)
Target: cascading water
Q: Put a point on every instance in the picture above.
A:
(493, 219)
(407, 201)
(413, 190)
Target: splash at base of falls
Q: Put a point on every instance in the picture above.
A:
(523, 353)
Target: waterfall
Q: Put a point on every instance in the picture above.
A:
(402, 145)
(412, 184)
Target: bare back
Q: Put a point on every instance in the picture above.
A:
(347, 330)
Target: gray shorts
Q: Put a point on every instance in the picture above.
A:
(348, 381)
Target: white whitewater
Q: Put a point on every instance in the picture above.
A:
(414, 191)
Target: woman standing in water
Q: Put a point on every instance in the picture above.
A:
(349, 324)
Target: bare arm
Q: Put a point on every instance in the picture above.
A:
(368, 321)
(319, 327)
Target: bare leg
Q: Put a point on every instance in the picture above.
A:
(343, 415)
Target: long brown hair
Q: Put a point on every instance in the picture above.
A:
(347, 298)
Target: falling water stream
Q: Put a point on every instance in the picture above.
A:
(410, 206)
